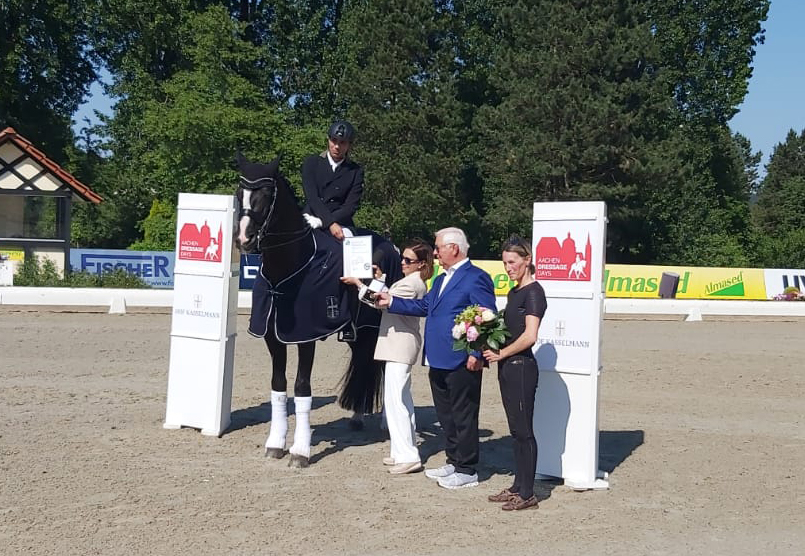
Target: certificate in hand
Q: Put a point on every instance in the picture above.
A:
(358, 256)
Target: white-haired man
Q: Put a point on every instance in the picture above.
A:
(455, 376)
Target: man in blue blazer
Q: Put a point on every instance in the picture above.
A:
(455, 376)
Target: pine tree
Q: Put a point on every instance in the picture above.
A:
(397, 84)
(781, 201)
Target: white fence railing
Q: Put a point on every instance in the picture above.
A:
(118, 299)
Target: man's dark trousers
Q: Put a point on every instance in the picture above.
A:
(457, 397)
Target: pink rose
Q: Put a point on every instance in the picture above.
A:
(472, 334)
(478, 319)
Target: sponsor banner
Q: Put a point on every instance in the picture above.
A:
(155, 268)
(249, 267)
(694, 282)
(567, 336)
(197, 307)
(637, 281)
(778, 279)
(9, 254)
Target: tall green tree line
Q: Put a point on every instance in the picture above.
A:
(467, 113)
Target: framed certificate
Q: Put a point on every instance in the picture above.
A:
(358, 256)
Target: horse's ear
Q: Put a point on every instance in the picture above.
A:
(273, 167)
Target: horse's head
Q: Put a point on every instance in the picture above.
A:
(256, 195)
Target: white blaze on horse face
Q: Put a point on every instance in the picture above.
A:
(245, 219)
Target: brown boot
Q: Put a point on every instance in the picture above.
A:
(503, 496)
(517, 503)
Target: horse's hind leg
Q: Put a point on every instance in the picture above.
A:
(303, 400)
(275, 443)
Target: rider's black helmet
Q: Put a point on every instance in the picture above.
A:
(342, 130)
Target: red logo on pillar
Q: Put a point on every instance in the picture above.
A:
(198, 244)
(555, 261)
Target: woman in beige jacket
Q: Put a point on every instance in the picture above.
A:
(398, 344)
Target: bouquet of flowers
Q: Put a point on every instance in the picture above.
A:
(791, 293)
(478, 328)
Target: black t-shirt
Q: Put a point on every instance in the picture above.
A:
(527, 300)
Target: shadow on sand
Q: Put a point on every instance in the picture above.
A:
(261, 414)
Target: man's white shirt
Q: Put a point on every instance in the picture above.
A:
(333, 164)
(448, 274)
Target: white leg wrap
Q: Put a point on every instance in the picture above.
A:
(279, 421)
(302, 433)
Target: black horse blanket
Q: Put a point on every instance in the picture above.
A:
(313, 303)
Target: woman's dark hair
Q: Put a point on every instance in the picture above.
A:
(424, 253)
(516, 244)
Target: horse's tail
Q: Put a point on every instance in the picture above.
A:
(362, 384)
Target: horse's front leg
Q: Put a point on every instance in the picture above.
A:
(275, 443)
(303, 400)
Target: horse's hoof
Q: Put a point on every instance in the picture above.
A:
(356, 424)
(275, 453)
(299, 462)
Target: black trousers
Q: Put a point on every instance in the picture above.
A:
(518, 377)
(457, 398)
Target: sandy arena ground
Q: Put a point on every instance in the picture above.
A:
(701, 431)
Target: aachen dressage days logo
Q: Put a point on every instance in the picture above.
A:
(562, 262)
(198, 244)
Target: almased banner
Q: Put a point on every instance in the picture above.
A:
(694, 282)
(644, 281)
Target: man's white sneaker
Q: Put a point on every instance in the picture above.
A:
(439, 472)
(459, 480)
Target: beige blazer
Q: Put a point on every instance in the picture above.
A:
(399, 339)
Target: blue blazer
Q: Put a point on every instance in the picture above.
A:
(469, 286)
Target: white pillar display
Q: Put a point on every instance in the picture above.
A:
(568, 240)
(203, 327)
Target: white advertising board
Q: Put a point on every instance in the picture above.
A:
(568, 241)
(778, 279)
(203, 328)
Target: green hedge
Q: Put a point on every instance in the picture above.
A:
(34, 272)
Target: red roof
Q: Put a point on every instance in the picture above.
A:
(24, 145)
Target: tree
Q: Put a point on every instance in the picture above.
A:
(180, 133)
(577, 104)
(706, 51)
(781, 200)
(750, 162)
(398, 85)
(616, 102)
(46, 68)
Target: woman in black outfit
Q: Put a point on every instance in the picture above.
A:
(518, 373)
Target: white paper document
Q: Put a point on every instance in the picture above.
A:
(358, 256)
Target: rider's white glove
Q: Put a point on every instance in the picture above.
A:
(313, 221)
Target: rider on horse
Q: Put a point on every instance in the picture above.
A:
(333, 183)
(333, 186)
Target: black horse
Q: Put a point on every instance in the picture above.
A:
(298, 299)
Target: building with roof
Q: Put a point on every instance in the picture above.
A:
(36, 197)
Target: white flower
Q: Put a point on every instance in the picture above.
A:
(458, 331)
(488, 316)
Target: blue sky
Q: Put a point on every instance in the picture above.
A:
(775, 102)
(776, 99)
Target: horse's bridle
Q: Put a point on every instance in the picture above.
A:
(265, 183)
